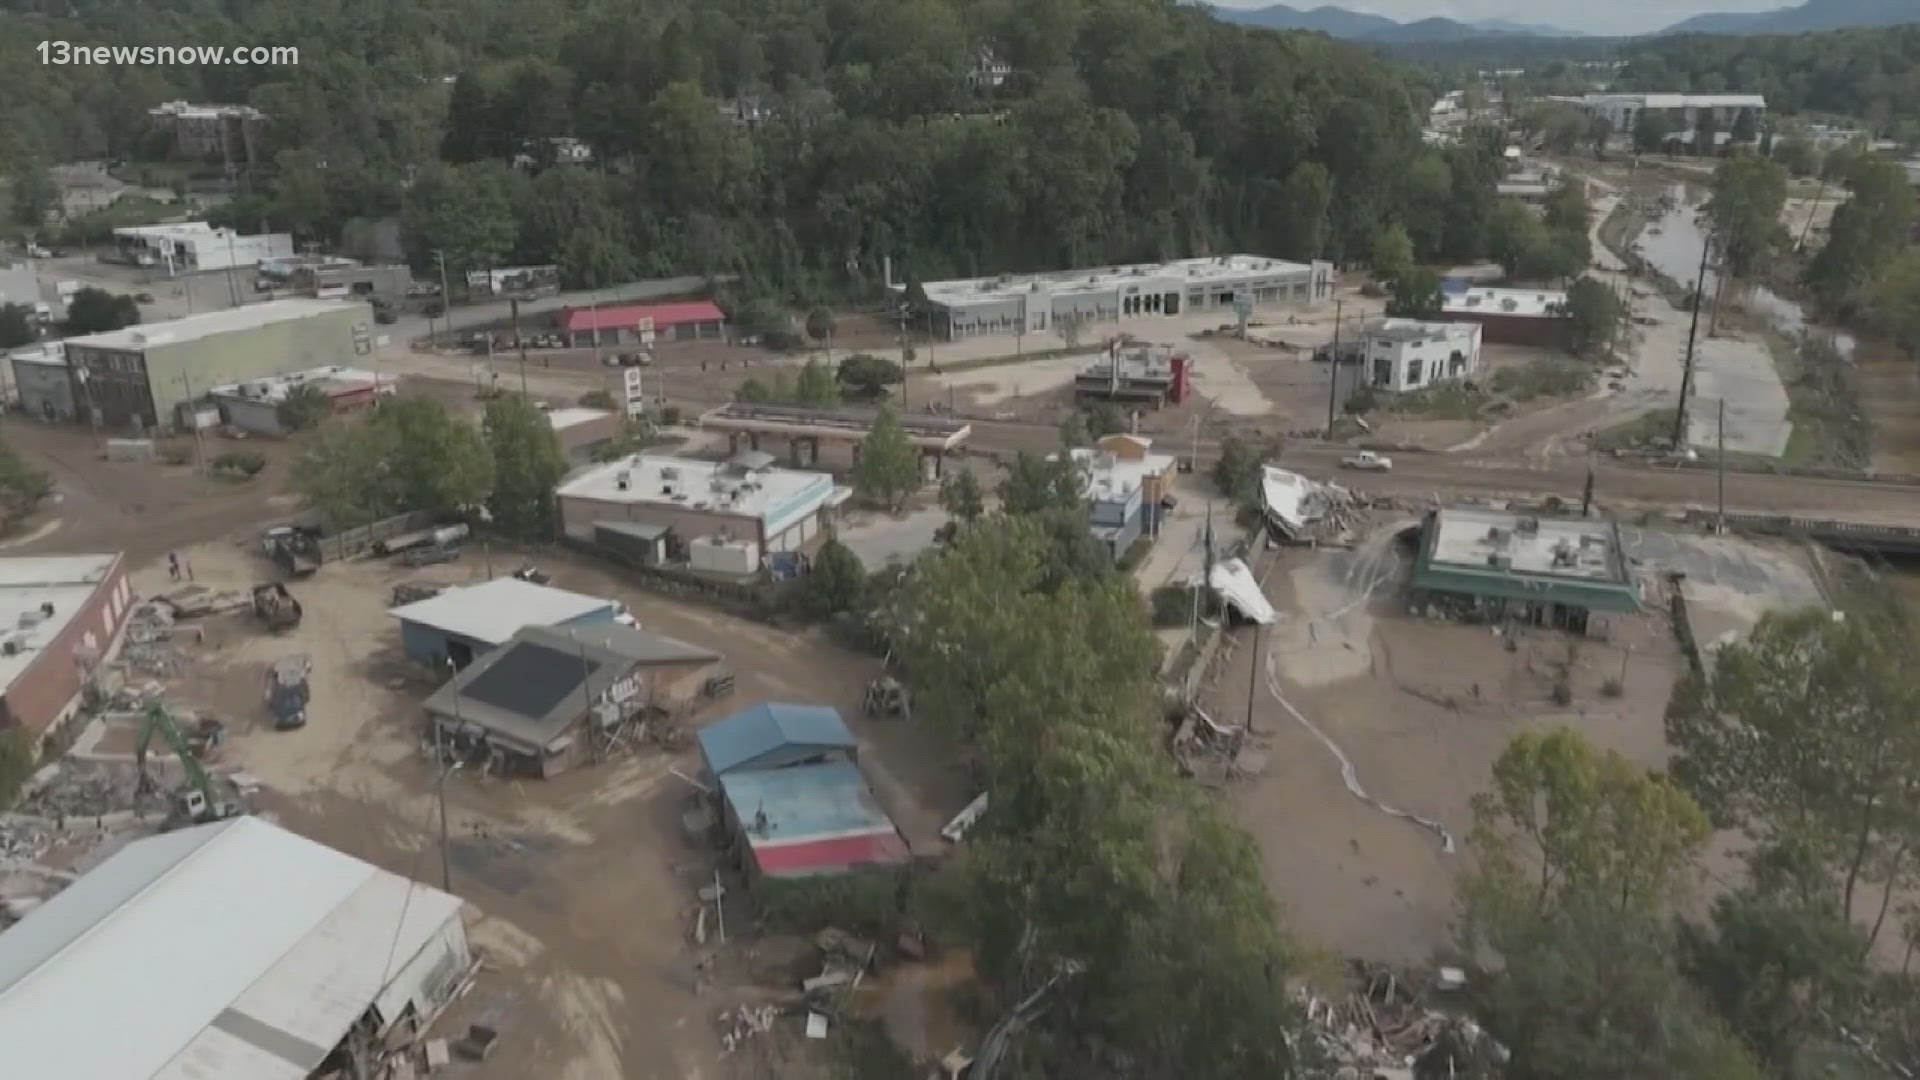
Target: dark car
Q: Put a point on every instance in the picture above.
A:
(434, 309)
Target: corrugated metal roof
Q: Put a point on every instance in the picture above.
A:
(493, 610)
(751, 732)
(208, 323)
(627, 316)
(231, 951)
(811, 818)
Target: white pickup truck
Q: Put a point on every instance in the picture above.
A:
(1370, 461)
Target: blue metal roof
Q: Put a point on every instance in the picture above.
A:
(804, 802)
(766, 727)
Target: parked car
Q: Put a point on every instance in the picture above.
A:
(1369, 461)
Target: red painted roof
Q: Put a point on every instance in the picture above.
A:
(832, 853)
(626, 316)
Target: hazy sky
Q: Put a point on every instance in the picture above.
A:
(1589, 16)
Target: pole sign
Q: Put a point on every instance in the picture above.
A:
(645, 328)
(636, 398)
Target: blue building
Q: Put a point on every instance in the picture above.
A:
(775, 735)
(1126, 486)
(462, 623)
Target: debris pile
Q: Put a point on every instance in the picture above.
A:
(743, 1022)
(1201, 744)
(1302, 511)
(1386, 1029)
(149, 642)
(83, 789)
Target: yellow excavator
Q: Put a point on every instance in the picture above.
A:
(195, 802)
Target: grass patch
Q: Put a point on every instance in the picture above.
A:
(1446, 401)
(1544, 377)
(96, 226)
(1649, 430)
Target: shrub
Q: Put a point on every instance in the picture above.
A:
(17, 760)
(241, 464)
(1172, 605)
(175, 452)
(1545, 377)
(669, 415)
(865, 902)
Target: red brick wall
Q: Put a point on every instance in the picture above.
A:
(1517, 329)
(53, 677)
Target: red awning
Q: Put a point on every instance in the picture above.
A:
(831, 853)
(627, 316)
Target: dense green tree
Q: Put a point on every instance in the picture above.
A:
(527, 465)
(1596, 314)
(889, 467)
(834, 583)
(961, 495)
(1308, 192)
(820, 328)
(95, 311)
(23, 489)
(1894, 302)
(1706, 134)
(1567, 206)
(408, 453)
(16, 326)
(1416, 295)
(465, 213)
(1512, 233)
(1035, 484)
(1392, 253)
(305, 406)
(31, 192)
(1748, 192)
(816, 386)
(1803, 734)
(864, 375)
(1651, 130)
(1868, 233)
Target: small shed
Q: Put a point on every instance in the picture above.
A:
(528, 701)
(810, 819)
(460, 624)
(643, 543)
(775, 735)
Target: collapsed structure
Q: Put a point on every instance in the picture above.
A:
(1136, 373)
(1299, 509)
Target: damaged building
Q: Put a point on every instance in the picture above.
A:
(230, 951)
(1507, 565)
(1301, 510)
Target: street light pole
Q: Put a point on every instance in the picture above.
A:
(446, 298)
(1693, 330)
(1333, 366)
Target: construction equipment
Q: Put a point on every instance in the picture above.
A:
(195, 802)
(288, 693)
(409, 591)
(294, 548)
(274, 606)
(887, 698)
(428, 556)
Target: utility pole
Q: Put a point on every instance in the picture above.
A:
(1721, 467)
(446, 298)
(193, 419)
(1333, 367)
(440, 796)
(1253, 674)
(513, 304)
(1693, 329)
(593, 323)
(233, 290)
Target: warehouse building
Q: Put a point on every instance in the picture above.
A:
(41, 382)
(460, 624)
(230, 951)
(60, 616)
(1505, 565)
(1512, 316)
(1407, 354)
(1036, 303)
(137, 377)
(536, 704)
(1681, 111)
(584, 433)
(719, 517)
(187, 247)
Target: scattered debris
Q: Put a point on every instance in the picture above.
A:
(1233, 580)
(1385, 1030)
(956, 830)
(741, 1023)
(816, 1026)
(1302, 510)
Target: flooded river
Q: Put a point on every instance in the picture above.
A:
(1672, 245)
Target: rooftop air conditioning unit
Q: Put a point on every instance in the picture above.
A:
(671, 472)
(1509, 305)
(30, 619)
(622, 480)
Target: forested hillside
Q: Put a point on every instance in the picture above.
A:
(1128, 129)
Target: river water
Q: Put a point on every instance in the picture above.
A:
(1672, 245)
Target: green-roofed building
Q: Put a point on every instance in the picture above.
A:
(1555, 571)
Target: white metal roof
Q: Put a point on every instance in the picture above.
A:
(1532, 302)
(1214, 270)
(493, 611)
(231, 951)
(562, 419)
(206, 324)
(775, 496)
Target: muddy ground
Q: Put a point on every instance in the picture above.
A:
(582, 888)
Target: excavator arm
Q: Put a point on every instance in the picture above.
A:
(159, 719)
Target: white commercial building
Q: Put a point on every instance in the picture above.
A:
(724, 517)
(189, 246)
(1683, 111)
(230, 951)
(1406, 354)
(1036, 303)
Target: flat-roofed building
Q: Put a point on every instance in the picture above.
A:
(1682, 111)
(1036, 303)
(60, 617)
(1408, 354)
(254, 405)
(722, 517)
(136, 376)
(1555, 571)
(187, 247)
(1513, 316)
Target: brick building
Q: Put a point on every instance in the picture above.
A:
(60, 615)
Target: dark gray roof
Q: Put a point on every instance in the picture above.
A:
(531, 689)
